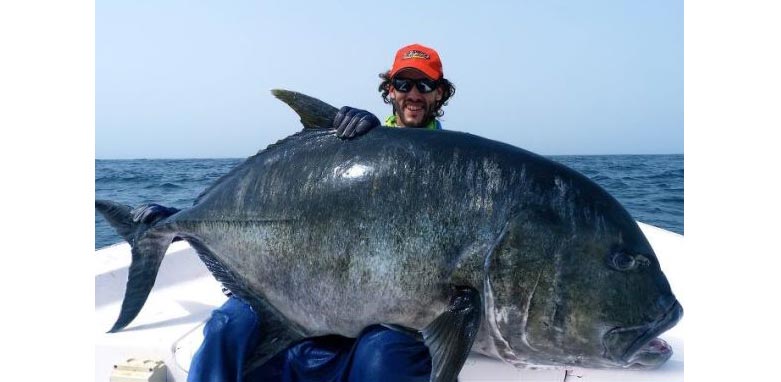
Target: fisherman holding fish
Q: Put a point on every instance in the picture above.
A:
(499, 251)
(417, 90)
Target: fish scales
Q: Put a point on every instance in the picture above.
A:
(365, 253)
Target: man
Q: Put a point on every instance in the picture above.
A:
(415, 87)
(417, 90)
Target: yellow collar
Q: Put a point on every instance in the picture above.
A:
(391, 122)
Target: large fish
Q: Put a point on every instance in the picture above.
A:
(470, 243)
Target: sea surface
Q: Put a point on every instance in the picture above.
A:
(649, 186)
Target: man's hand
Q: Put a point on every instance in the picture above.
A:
(350, 122)
(150, 213)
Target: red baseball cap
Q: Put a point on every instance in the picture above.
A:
(418, 57)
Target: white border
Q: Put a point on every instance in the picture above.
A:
(47, 147)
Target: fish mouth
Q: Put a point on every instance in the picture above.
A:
(645, 349)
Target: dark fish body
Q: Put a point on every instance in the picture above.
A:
(349, 234)
(331, 236)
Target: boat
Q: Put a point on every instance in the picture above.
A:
(162, 339)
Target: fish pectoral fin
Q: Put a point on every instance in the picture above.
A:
(450, 336)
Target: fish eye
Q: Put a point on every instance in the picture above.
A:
(620, 261)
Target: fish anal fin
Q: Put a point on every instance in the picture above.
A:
(220, 272)
(450, 336)
(276, 332)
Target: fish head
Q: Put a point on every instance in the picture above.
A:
(585, 295)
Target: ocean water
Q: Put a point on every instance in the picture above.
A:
(649, 186)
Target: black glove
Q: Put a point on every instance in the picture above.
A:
(350, 122)
(150, 213)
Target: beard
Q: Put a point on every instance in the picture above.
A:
(402, 120)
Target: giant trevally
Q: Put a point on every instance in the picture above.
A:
(470, 243)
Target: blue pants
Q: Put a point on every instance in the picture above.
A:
(378, 354)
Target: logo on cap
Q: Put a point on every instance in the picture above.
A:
(417, 54)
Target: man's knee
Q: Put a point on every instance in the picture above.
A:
(382, 354)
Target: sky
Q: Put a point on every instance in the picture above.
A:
(184, 79)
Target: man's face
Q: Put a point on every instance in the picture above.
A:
(413, 108)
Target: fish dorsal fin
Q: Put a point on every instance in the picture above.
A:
(313, 112)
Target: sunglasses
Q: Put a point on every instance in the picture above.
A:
(404, 85)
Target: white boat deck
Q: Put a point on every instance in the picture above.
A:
(169, 327)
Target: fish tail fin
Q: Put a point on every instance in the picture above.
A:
(149, 243)
(313, 112)
(118, 216)
(131, 223)
(148, 254)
